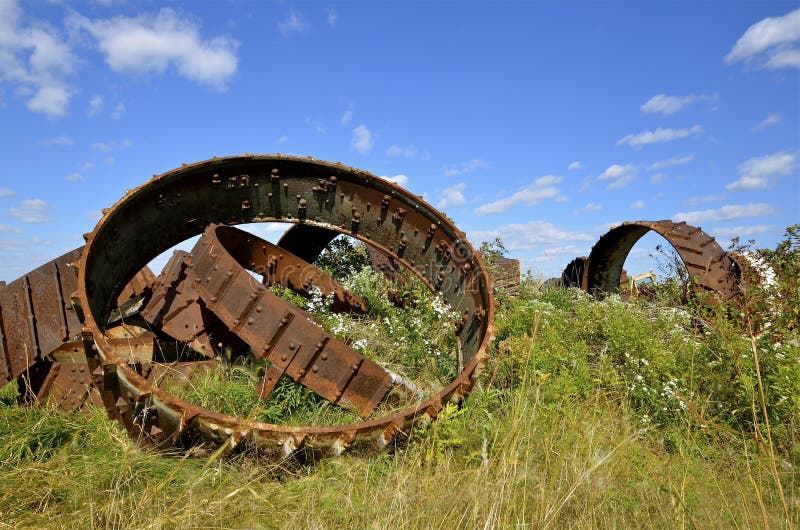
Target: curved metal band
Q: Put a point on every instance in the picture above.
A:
(278, 331)
(181, 203)
(307, 241)
(280, 266)
(707, 264)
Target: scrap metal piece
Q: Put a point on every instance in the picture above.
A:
(176, 309)
(38, 315)
(574, 273)
(507, 274)
(709, 267)
(292, 342)
(251, 188)
(307, 241)
(279, 266)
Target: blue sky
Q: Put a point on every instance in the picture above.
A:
(540, 122)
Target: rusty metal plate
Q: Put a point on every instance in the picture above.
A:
(507, 274)
(37, 315)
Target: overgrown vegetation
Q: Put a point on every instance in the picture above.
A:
(646, 412)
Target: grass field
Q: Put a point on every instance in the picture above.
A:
(590, 414)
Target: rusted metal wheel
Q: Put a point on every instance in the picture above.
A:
(181, 203)
(708, 265)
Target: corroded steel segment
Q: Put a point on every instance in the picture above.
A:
(174, 309)
(37, 315)
(307, 241)
(292, 343)
(507, 274)
(68, 385)
(181, 203)
(64, 378)
(71, 386)
(706, 262)
(279, 266)
(574, 274)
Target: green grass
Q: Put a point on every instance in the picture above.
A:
(505, 460)
(589, 415)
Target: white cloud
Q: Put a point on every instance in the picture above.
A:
(658, 178)
(771, 119)
(659, 135)
(58, 140)
(675, 161)
(153, 43)
(664, 104)
(574, 165)
(620, 176)
(757, 173)
(86, 166)
(347, 116)
(772, 39)
(784, 59)
(316, 125)
(333, 17)
(74, 177)
(95, 104)
(293, 23)
(6, 192)
(362, 139)
(36, 60)
(452, 196)
(465, 167)
(728, 212)
(119, 111)
(396, 150)
(282, 139)
(638, 205)
(530, 236)
(591, 207)
(32, 211)
(111, 146)
(401, 180)
(570, 250)
(6, 229)
(51, 100)
(741, 231)
(702, 199)
(541, 188)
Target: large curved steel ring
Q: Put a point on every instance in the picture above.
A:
(252, 188)
(706, 262)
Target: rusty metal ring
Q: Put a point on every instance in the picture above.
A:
(707, 263)
(274, 188)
